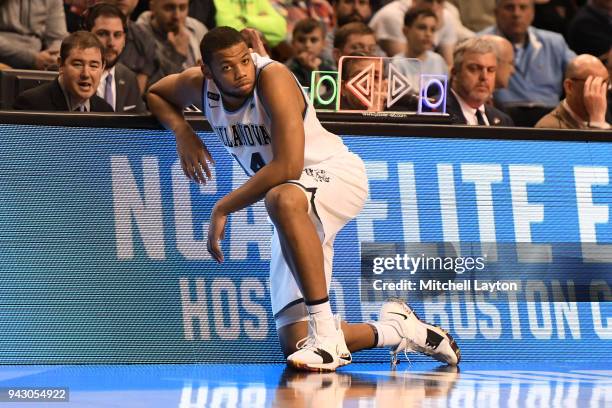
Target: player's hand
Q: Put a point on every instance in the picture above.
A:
(194, 155)
(595, 98)
(216, 233)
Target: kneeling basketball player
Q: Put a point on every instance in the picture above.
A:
(312, 186)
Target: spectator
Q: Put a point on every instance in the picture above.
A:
(472, 84)
(419, 28)
(584, 107)
(505, 60)
(293, 11)
(590, 32)
(354, 38)
(476, 14)
(177, 35)
(31, 33)
(348, 12)
(118, 84)
(308, 42)
(204, 11)
(352, 11)
(140, 52)
(540, 59)
(388, 22)
(257, 14)
(81, 64)
(554, 15)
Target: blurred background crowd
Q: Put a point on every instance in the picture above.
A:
(543, 63)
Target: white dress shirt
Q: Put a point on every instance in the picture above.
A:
(470, 113)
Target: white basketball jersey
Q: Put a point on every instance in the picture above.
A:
(246, 132)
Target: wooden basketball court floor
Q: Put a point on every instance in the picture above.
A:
(519, 384)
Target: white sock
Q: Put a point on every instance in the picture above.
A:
(388, 336)
(323, 317)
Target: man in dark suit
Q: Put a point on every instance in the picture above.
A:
(472, 84)
(118, 85)
(80, 68)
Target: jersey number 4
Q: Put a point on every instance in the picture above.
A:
(257, 162)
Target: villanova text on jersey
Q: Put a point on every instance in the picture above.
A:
(243, 135)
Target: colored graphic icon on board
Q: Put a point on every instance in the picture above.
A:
(362, 84)
(398, 86)
(324, 90)
(432, 99)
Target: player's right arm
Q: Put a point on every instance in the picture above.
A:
(167, 99)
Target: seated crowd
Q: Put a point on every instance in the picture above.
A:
(509, 62)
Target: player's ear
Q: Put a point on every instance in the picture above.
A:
(206, 71)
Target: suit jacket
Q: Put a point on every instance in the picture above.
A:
(494, 115)
(128, 98)
(49, 97)
(560, 118)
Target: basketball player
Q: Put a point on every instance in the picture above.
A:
(312, 186)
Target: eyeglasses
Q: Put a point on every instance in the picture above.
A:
(606, 81)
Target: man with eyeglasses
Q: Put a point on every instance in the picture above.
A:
(586, 84)
(118, 85)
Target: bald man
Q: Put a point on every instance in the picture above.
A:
(505, 60)
(584, 107)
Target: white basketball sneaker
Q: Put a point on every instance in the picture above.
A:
(418, 335)
(320, 353)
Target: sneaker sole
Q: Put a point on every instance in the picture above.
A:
(317, 368)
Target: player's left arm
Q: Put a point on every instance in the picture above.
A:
(285, 104)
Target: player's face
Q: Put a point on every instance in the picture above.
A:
(109, 31)
(311, 42)
(233, 71)
(514, 17)
(170, 15)
(81, 72)
(420, 35)
(476, 78)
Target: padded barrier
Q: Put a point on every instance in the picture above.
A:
(104, 260)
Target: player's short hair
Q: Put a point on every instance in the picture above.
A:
(82, 40)
(219, 38)
(476, 45)
(102, 10)
(308, 25)
(343, 33)
(415, 12)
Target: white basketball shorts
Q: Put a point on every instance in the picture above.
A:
(336, 190)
